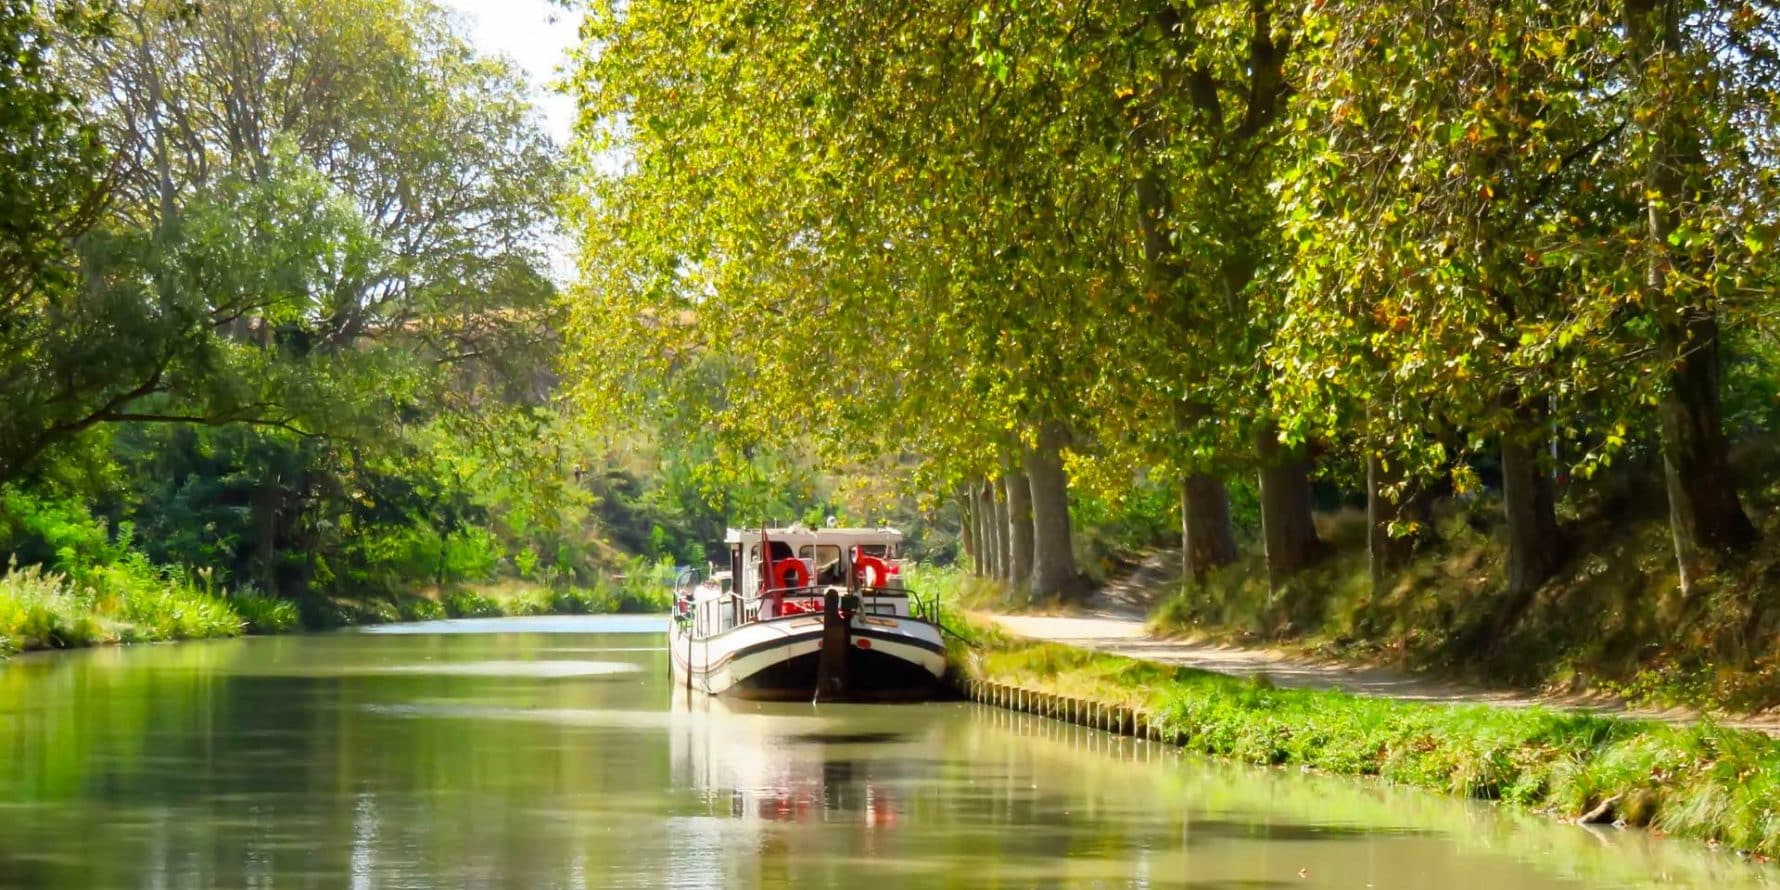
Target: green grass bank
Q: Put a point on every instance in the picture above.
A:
(1697, 781)
(133, 601)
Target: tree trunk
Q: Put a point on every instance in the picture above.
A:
(1003, 545)
(1386, 554)
(1705, 514)
(1053, 553)
(268, 503)
(1535, 545)
(1206, 536)
(967, 537)
(1287, 529)
(1019, 521)
(991, 540)
(978, 524)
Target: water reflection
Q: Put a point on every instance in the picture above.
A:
(422, 759)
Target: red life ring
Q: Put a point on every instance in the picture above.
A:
(789, 574)
(880, 571)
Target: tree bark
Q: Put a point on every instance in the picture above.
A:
(980, 559)
(1003, 545)
(268, 503)
(967, 537)
(1019, 521)
(1705, 514)
(1287, 529)
(991, 540)
(1529, 503)
(1206, 536)
(1386, 554)
(1053, 549)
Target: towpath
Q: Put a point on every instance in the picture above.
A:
(1112, 620)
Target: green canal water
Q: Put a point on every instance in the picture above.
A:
(553, 753)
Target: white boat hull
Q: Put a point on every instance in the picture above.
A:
(890, 658)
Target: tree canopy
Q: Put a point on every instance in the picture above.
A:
(1190, 240)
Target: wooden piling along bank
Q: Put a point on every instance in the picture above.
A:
(1116, 719)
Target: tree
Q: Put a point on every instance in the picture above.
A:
(1208, 87)
(1447, 235)
(308, 196)
(812, 226)
(52, 189)
(1678, 108)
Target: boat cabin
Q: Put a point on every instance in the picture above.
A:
(808, 557)
(802, 565)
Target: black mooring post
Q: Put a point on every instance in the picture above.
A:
(831, 668)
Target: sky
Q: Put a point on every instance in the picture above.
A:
(537, 34)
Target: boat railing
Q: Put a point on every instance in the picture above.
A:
(733, 608)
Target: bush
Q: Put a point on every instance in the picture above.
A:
(645, 587)
(419, 608)
(44, 610)
(264, 614)
(156, 607)
(529, 601)
(470, 604)
(371, 610)
(125, 602)
(58, 533)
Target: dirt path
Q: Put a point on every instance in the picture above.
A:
(1112, 620)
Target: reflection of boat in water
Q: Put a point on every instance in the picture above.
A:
(791, 767)
(806, 613)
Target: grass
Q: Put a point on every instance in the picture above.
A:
(1613, 620)
(265, 614)
(1697, 780)
(123, 603)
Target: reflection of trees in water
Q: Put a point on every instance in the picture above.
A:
(176, 766)
(179, 763)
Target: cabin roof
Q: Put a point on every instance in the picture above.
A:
(798, 534)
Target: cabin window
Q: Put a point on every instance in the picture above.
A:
(827, 559)
(779, 549)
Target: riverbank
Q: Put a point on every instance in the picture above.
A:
(129, 603)
(1698, 780)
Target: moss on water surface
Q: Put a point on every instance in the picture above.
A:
(1696, 780)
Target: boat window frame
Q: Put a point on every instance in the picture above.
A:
(815, 557)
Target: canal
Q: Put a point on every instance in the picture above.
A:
(551, 752)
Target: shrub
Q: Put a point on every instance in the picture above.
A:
(54, 532)
(126, 601)
(264, 614)
(529, 601)
(371, 610)
(470, 604)
(419, 608)
(42, 610)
